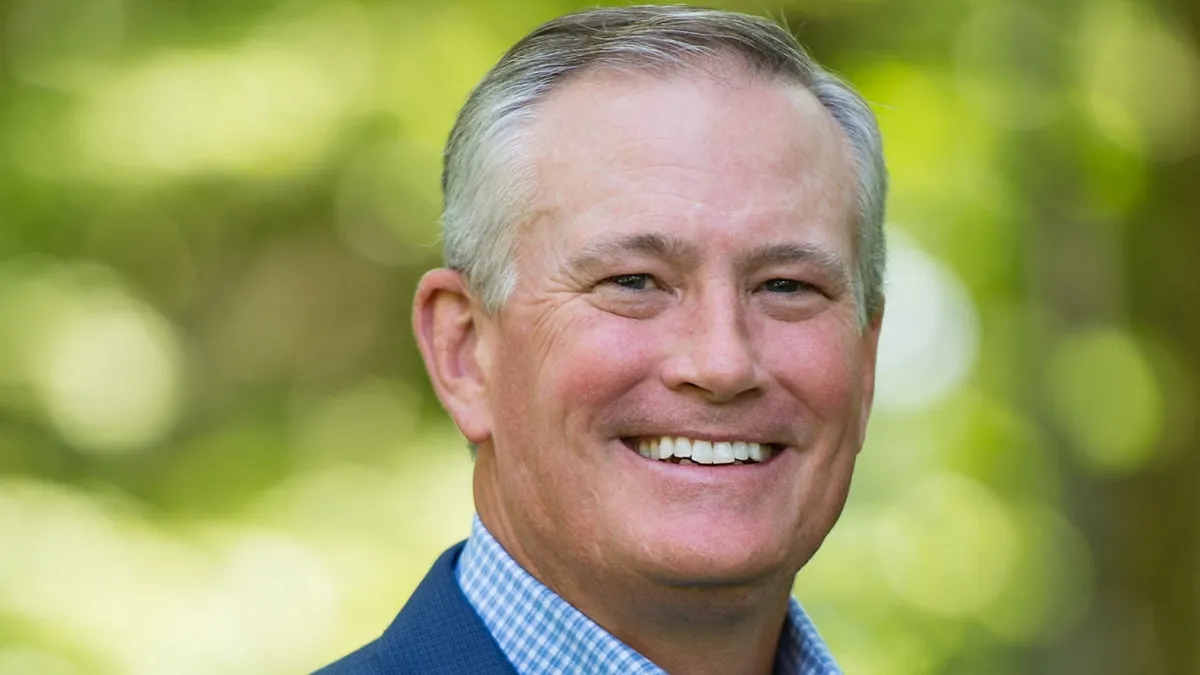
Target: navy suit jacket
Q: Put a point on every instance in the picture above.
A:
(437, 633)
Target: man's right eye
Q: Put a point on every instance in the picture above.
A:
(633, 282)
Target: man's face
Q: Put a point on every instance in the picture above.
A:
(687, 275)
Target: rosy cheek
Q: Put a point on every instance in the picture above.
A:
(817, 363)
(605, 358)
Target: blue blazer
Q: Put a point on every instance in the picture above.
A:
(437, 633)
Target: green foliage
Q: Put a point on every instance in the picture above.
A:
(218, 448)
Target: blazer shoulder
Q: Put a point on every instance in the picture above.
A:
(437, 633)
(359, 662)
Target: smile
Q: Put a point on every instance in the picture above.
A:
(679, 450)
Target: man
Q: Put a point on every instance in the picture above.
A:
(657, 327)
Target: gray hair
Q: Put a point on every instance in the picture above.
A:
(487, 182)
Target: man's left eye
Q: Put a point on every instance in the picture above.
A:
(633, 282)
(786, 286)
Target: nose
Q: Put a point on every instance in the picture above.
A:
(713, 352)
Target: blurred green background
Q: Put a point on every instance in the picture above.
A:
(219, 453)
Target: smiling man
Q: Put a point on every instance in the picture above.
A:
(657, 327)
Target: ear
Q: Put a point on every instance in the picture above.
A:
(446, 322)
(869, 357)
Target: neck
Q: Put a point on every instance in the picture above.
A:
(702, 631)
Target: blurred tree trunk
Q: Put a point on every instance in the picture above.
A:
(1144, 527)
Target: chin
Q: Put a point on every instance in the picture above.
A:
(726, 556)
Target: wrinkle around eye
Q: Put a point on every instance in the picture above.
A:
(796, 301)
(637, 296)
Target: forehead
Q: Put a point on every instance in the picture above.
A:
(616, 149)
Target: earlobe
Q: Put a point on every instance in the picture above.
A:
(446, 322)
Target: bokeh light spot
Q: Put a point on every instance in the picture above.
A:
(1054, 567)
(269, 625)
(1107, 398)
(268, 105)
(930, 331)
(1140, 79)
(947, 545)
(20, 661)
(372, 418)
(106, 369)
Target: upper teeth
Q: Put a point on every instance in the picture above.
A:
(703, 452)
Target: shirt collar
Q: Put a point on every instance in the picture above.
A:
(539, 632)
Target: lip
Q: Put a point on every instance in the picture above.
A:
(631, 442)
(701, 475)
(700, 436)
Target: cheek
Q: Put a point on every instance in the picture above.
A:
(556, 392)
(566, 374)
(598, 362)
(819, 363)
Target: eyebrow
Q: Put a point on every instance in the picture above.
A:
(653, 244)
(677, 250)
(831, 264)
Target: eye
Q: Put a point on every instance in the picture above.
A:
(787, 286)
(633, 296)
(633, 282)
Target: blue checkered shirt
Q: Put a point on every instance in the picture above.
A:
(542, 634)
